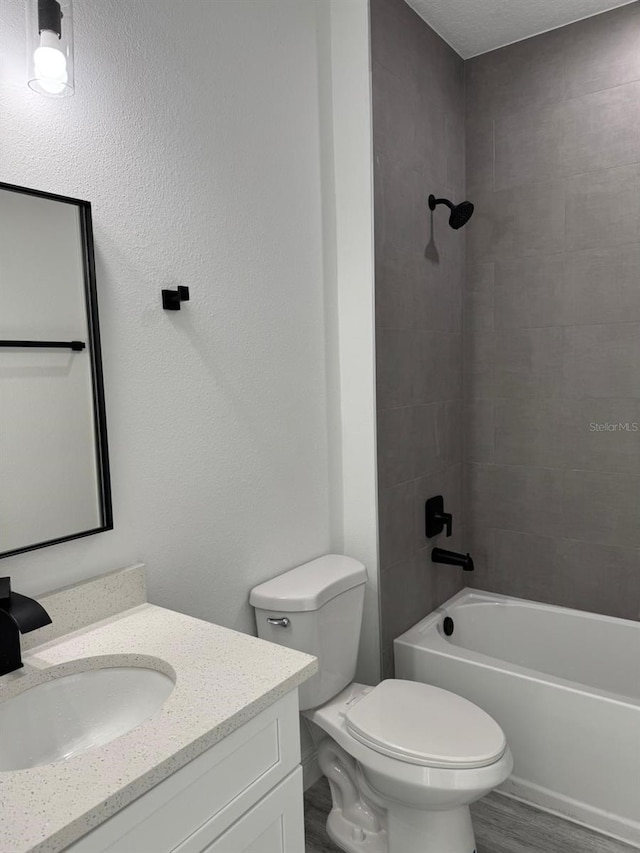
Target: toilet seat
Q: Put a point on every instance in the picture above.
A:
(397, 779)
(424, 725)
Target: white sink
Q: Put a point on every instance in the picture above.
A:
(65, 716)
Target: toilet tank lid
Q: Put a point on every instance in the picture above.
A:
(309, 586)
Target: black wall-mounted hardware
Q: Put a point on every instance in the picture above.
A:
(451, 558)
(460, 213)
(5, 593)
(76, 346)
(18, 615)
(436, 519)
(172, 299)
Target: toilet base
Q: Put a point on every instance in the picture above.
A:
(434, 832)
(414, 831)
(355, 824)
(362, 821)
(354, 839)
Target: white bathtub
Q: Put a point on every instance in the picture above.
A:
(565, 687)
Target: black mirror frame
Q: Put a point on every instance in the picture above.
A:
(95, 355)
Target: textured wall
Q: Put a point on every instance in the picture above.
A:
(552, 315)
(418, 132)
(347, 165)
(194, 132)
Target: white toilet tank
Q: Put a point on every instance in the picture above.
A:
(316, 608)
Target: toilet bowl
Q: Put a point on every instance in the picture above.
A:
(404, 760)
(417, 781)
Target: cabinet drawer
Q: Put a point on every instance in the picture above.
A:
(275, 825)
(208, 794)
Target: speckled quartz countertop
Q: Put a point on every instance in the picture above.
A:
(222, 680)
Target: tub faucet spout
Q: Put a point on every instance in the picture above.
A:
(451, 558)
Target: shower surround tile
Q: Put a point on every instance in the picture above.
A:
(437, 306)
(602, 361)
(527, 363)
(516, 498)
(480, 156)
(524, 75)
(416, 441)
(603, 208)
(432, 448)
(602, 508)
(479, 431)
(526, 220)
(522, 561)
(601, 286)
(586, 134)
(398, 227)
(395, 359)
(529, 292)
(528, 147)
(478, 360)
(390, 24)
(419, 148)
(436, 366)
(602, 130)
(394, 293)
(552, 350)
(602, 52)
(398, 133)
(478, 309)
(586, 434)
(396, 449)
(400, 608)
(397, 531)
(601, 434)
(529, 431)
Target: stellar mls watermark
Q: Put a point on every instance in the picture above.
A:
(615, 427)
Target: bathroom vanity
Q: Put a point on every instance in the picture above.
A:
(216, 768)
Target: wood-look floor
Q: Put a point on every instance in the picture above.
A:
(501, 825)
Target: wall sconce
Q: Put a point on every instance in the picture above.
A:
(50, 47)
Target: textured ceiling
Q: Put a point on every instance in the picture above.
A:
(472, 27)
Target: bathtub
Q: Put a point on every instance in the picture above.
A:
(565, 687)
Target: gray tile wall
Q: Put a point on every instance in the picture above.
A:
(418, 130)
(552, 315)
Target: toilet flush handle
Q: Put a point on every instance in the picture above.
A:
(280, 623)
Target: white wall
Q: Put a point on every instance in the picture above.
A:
(195, 132)
(347, 159)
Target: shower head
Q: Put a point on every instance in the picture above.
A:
(460, 213)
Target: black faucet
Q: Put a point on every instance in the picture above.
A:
(451, 558)
(18, 615)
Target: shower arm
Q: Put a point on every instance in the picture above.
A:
(433, 202)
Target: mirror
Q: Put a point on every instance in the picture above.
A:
(54, 469)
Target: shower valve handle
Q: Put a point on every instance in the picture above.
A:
(436, 519)
(447, 519)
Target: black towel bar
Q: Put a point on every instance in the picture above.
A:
(76, 346)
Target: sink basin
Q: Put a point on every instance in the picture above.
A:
(68, 715)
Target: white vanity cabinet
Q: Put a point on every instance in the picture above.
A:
(243, 795)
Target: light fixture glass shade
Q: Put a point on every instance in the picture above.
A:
(50, 68)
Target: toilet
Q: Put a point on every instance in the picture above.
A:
(404, 760)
